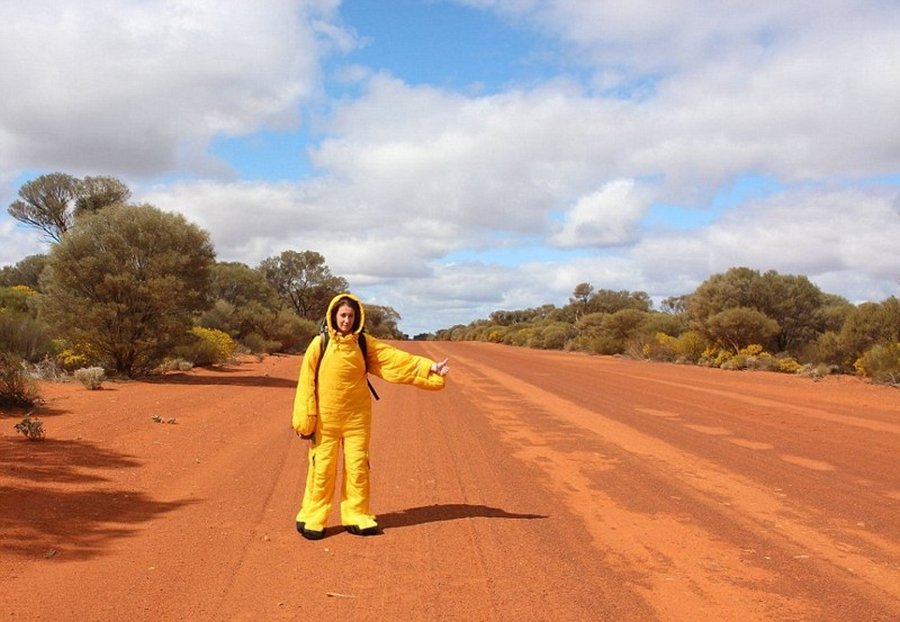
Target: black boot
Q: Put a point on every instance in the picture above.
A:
(309, 534)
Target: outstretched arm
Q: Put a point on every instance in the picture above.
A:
(398, 366)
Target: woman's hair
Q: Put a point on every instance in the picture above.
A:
(346, 301)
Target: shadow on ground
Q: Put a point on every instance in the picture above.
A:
(223, 377)
(56, 500)
(445, 512)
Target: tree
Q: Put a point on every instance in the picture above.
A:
(739, 327)
(624, 325)
(127, 283)
(25, 272)
(304, 280)
(793, 302)
(246, 306)
(733, 288)
(52, 202)
(796, 304)
(95, 193)
(579, 299)
(239, 284)
(22, 332)
(676, 304)
(45, 204)
(609, 301)
(868, 324)
(382, 322)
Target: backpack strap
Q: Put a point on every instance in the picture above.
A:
(365, 352)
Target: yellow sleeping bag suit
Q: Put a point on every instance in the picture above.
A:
(337, 411)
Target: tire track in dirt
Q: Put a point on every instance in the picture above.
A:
(467, 533)
(717, 573)
(536, 486)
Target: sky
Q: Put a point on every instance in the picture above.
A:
(451, 158)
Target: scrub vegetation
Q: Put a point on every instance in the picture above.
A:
(130, 290)
(739, 319)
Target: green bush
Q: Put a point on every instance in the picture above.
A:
(24, 335)
(16, 387)
(292, 331)
(207, 346)
(817, 370)
(32, 428)
(553, 336)
(881, 363)
(660, 348)
(788, 365)
(256, 343)
(174, 364)
(689, 346)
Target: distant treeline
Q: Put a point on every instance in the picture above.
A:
(739, 319)
(133, 289)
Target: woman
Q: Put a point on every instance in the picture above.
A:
(332, 406)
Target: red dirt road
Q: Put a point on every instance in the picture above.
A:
(537, 486)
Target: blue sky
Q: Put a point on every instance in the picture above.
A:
(452, 158)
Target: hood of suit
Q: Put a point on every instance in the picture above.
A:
(358, 322)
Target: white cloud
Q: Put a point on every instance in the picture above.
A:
(607, 217)
(17, 242)
(681, 98)
(140, 87)
(844, 240)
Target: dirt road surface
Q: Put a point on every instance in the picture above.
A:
(536, 486)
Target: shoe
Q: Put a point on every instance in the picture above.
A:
(356, 530)
(309, 534)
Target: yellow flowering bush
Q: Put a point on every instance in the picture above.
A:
(212, 346)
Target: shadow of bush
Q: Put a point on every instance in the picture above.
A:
(53, 499)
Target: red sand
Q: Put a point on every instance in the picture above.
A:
(537, 486)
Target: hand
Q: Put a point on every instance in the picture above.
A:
(440, 368)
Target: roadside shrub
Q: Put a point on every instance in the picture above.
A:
(71, 360)
(817, 371)
(635, 347)
(91, 377)
(788, 365)
(16, 387)
(208, 346)
(826, 349)
(49, 369)
(224, 344)
(753, 357)
(256, 343)
(174, 364)
(32, 428)
(496, 334)
(553, 336)
(714, 356)
(24, 335)
(734, 363)
(881, 363)
(661, 348)
(605, 344)
(689, 346)
(76, 356)
(292, 331)
(519, 337)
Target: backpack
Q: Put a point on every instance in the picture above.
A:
(361, 340)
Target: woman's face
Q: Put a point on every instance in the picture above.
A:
(345, 316)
